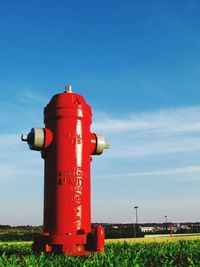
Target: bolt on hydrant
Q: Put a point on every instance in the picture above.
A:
(66, 145)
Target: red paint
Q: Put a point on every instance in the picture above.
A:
(48, 137)
(67, 151)
(171, 229)
(100, 235)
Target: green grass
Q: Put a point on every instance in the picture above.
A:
(181, 253)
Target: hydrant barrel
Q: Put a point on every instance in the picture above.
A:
(67, 183)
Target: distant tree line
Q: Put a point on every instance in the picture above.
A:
(122, 231)
(27, 232)
(19, 233)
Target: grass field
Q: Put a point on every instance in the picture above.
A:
(140, 252)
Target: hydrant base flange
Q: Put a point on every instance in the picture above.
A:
(80, 245)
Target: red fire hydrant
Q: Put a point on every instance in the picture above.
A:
(66, 145)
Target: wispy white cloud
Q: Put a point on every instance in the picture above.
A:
(22, 110)
(171, 120)
(187, 170)
(152, 133)
(8, 140)
(30, 95)
(150, 146)
(17, 164)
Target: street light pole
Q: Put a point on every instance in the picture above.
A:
(136, 220)
(136, 215)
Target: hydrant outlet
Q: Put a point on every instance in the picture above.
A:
(101, 144)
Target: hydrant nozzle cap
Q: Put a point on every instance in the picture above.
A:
(68, 88)
(24, 137)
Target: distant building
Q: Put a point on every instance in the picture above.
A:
(115, 227)
(147, 229)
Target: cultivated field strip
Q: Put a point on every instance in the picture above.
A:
(154, 239)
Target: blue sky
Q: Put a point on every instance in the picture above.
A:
(137, 63)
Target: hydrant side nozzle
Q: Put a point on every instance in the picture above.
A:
(101, 144)
(38, 138)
